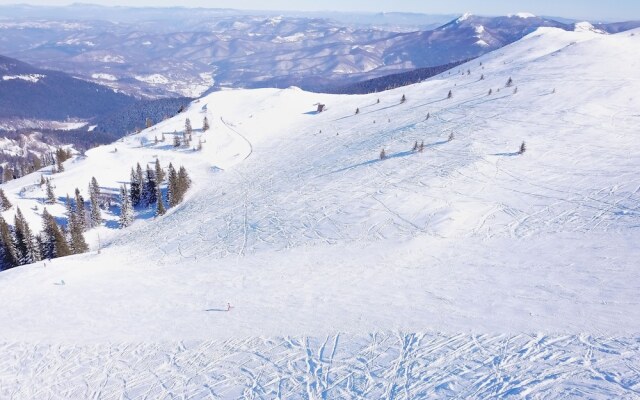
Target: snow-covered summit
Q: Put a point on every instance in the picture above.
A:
(523, 15)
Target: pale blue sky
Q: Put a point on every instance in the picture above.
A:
(587, 9)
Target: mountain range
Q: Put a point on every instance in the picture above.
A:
(185, 52)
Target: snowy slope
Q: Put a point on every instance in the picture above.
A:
(518, 273)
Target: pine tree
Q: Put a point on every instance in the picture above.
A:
(184, 182)
(482, 77)
(149, 191)
(163, 138)
(148, 123)
(421, 147)
(187, 127)
(451, 137)
(383, 154)
(61, 156)
(160, 208)
(205, 124)
(357, 111)
(490, 92)
(176, 141)
(81, 214)
(5, 204)
(94, 199)
(136, 186)
(173, 191)
(160, 175)
(42, 181)
(509, 82)
(8, 252)
(450, 95)
(51, 197)
(27, 252)
(523, 148)
(7, 174)
(403, 99)
(53, 241)
(126, 210)
(415, 146)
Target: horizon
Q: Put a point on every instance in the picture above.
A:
(590, 10)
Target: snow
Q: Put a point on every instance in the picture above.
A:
(494, 274)
(464, 17)
(105, 77)
(33, 78)
(523, 15)
(296, 37)
(153, 78)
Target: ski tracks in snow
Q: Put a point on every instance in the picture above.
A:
(382, 365)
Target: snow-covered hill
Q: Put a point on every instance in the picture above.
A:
(465, 270)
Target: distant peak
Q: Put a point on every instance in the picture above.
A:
(523, 15)
(464, 17)
(586, 27)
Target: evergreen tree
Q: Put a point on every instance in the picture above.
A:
(53, 241)
(421, 147)
(51, 197)
(81, 214)
(451, 137)
(160, 175)
(403, 99)
(149, 192)
(523, 148)
(509, 82)
(94, 198)
(160, 208)
(61, 156)
(184, 182)
(205, 124)
(490, 92)
(450, 95)
(42, 181)
(77, 243)
(383, 154)
(176, 141)
(5, 204)
(148, 123)
(7, 174)
(173, 190)
(136, 186)
(8, 252)
(357, 111)
(415, 146)
(187, 127)
(27, 252)
(126, 210)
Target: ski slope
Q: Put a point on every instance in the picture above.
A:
(466, 270)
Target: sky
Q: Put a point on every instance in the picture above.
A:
(587, 9)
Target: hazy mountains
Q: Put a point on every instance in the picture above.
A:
(168, 52)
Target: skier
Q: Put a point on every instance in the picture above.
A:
(228, 306)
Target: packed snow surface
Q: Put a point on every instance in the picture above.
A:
(466, 270)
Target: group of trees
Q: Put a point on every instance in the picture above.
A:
(145, 190)
(22, 166)
(19, 245)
